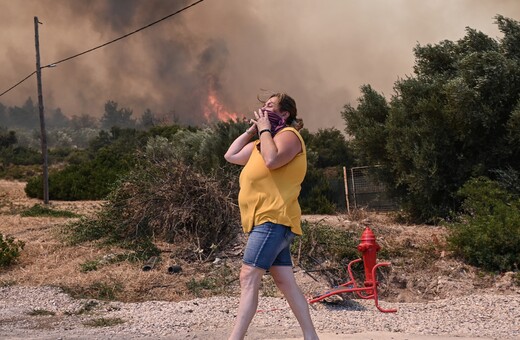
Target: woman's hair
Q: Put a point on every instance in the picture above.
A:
(287, 103)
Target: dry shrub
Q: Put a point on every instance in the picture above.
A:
(171, 201)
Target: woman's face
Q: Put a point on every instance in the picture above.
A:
(271, 105)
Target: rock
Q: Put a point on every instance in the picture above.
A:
(174, 269)
(506, 281)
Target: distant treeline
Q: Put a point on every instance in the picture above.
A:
(27, 117)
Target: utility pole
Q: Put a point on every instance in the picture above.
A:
(42, 116)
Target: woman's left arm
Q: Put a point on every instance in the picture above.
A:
(280, 149)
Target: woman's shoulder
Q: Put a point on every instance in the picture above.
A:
(297, 133)
(290, 128)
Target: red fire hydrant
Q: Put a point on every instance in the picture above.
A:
(369, 248)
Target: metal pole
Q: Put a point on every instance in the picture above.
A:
(345, 181)
(42, 116)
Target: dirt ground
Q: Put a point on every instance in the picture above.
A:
(422, 267)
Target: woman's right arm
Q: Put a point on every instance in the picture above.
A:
(240, 150)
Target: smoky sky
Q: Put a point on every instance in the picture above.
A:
(320, 52)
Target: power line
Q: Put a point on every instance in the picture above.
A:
(126, 35)
(103, 45)
(18, 83)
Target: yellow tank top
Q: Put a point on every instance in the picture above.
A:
(272, 195)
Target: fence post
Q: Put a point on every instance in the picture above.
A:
(345, 180)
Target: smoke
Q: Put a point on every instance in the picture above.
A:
(320, 52)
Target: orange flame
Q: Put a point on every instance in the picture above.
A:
(214, 108)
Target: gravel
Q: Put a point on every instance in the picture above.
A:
(493, 316)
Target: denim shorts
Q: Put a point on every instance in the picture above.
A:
(269, 245)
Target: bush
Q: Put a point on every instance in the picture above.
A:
(487, 234)
(88, 181)
(39, 210)
(19, 155)
(91, 178)
(168, 200)
(91, 174)
(9, 250)
(315, 193)
(19, 172)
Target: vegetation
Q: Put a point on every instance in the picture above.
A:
(143, 249)
(457, 118)
(9, 250)
(40, 210)
(487, 233)
(41, 312)
(326, 247)
(108, 290)
(109, 156)
(104, 322)
(166, 199)
(87, 307)
(322, 190)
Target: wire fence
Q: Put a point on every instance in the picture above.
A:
(360, 189)
(367, 192)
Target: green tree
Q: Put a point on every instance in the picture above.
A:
(24, 117)
(148, 119)
(92, 174)
(7, 138)
(456, 118)
(331, 148)
(83, 121)
(113, 116)
(367, 124)
(56, 119)
(109, 157)
(210, 156)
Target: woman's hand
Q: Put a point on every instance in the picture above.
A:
(261, 120)
(252, 129)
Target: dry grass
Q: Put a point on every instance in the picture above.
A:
(172, 201)
(46, 260)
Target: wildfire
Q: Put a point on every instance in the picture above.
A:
(214, 108)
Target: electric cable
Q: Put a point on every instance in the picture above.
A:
(15, 85)
(124, 36)
(103, 45)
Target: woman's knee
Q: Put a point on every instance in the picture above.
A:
(283, 277)
(250, 277)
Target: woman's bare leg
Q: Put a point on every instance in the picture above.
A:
(250, 278)
(284, 278)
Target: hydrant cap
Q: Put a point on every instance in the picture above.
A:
(368, 241)
(368, 236)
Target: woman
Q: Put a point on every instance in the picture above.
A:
(274, 168)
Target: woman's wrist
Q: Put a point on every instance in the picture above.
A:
(264, 130)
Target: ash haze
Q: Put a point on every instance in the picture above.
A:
(320, 52)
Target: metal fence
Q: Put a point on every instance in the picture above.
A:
(359, 188)
(365, 191)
